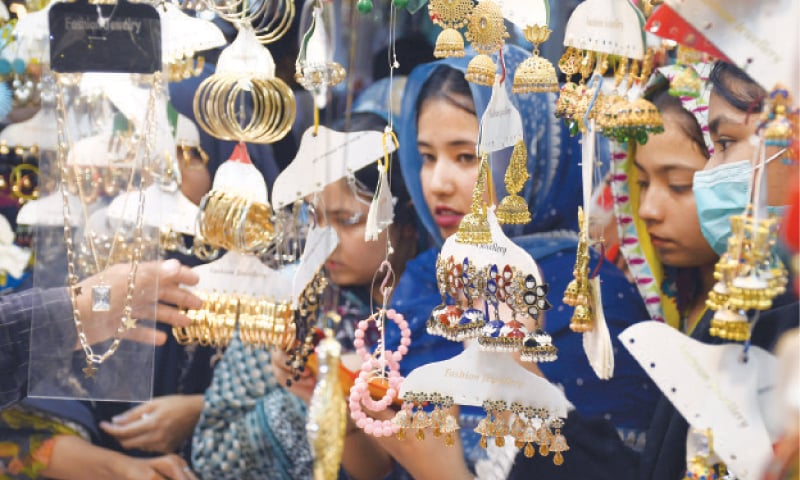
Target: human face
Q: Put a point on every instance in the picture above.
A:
(355, 260)
(731, 130)
(665, 167)
(447, 138)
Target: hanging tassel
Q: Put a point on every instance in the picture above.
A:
(381, 210)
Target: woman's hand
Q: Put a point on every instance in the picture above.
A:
(168, 467)
(303, 388)
(160, 425)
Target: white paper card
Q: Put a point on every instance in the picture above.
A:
(246, 57)
(712, 388)
(325, 158)
(161, 209)
(597, 342)
(320, 243)
(242, 274)
(49, 210)
(525, 13)
(476, 375)
(750, 37)
(242, 179)
(608, 26)
(500, 252)
(501, 124)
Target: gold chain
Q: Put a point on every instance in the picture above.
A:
(93, 360)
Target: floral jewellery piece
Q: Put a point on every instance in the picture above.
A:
(496, 334)
(558, 443)
(635, 120)
(749, 276)
(486, 31)
(574, 100)
(579, 291)
(513, 209)
(474, 228)
(374, 368)
(450, 15)
(537, 346)
(602, 111)
(449, 278)
(473, 319)
(536, 73)
(702, 461)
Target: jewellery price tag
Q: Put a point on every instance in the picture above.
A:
(48, 211)
(238, 174)
(749, 39)
(320, 243)
(122, 37)
(712, 388)
(607, 26)
(525, 13)
(476, 375)
(324, 158)
(501, 124)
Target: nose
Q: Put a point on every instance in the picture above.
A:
(441, 180)
(651, 206)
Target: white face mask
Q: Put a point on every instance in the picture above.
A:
(721, 192)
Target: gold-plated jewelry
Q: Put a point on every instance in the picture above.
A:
(536, 73)
(234, 223)
(579, 291)
(101, 292)
(450, 15)
(487, 32)
(749, 275)
(218, 108)
(513, 209)
(474, 228)
(269, 20)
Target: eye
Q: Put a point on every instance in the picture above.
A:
(467, 158)
(643, 184)
(723, 144)
(681, 189)
(427, 157)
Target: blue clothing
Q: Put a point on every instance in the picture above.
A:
(553, 195)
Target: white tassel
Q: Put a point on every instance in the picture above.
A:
(597, 342)
(381, 210)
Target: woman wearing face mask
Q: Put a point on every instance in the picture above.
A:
(438, 140)
(251, 425)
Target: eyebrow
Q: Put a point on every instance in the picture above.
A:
(713, 125)
(454, 143)
(668, 167)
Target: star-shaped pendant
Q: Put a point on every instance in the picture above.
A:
(129, 323)
(89, 370)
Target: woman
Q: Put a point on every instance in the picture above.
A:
(251, 426)
(438, 141)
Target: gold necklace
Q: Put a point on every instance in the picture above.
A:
(101, 292)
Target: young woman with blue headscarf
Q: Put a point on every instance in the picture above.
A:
(438, 137)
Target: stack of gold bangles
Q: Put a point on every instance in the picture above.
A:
(219, 107)
(235, 223)
(213, 325)
(263, 324)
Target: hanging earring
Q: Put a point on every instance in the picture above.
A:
(472, 319)
(578, 293)
(780, 124)
(700, 464)
(486, 427)
(513, 209)
(486, 31)
(536, 73)
(537, 345)
(450, 15)
(558, 443)
(474, 228)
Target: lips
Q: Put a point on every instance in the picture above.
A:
(659, 242)
(446, 217)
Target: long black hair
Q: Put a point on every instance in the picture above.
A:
(447, 84)
(737, 87)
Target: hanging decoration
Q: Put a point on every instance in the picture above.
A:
(450, 15)
(536, 74)
(315, 69)
(486, 31)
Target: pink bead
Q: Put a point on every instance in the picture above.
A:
(366, 367)
(362, 325)
(405, 341)
(359, 334)
(361, 423)
(402, 349)
(358, 343)
(387, 431)
(403, 326)
(391, 392)
(369, 428)
(358, 415)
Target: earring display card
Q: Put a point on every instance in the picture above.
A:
(122, 37)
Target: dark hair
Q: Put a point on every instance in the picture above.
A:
(450, 85)
(367, 177)
(737, 88)
(670, 105)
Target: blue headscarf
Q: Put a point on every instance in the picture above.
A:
(553, 195)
